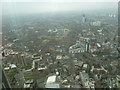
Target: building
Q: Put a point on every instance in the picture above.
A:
(12, 66)
(83, 18)
(98, 70)
(87, 45)
(35, 64)
(98, 45)
(78, 63)
(20, 59)
(7, 52)
(51, 82)
(22, 56)
(118, 81)
(97, 23)
(58, 57)
(85, 66)
(77, 48)
(5, 83)
(29, 84)
(85, 79)
(80, 47)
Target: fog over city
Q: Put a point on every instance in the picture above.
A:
(17, 8)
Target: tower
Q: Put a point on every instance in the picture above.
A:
(22, 56)
(20, 59)
(87, 45)
(83, 18)
(5, 82)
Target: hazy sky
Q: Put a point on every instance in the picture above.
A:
(54, 6)
(59, 0)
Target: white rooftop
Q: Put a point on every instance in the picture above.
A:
(13, 66)
(98, 45)
(52, 86)
(26, 85)
(51, 79)
(85, 65)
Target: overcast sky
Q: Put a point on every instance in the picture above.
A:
(11, 7)
(59, 0)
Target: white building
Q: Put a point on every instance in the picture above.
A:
(12, 66)
(77, 48)
(98, 45)
(97, 23)
(85, 66)
(51, 82)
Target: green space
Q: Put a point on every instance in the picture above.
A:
(12, 73)
(28, 77)
(46, 40)
(27, 67)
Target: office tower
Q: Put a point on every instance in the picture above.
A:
(22, 56)
(83, 18)
(20, 59)
(17, 58)
(87, 45)
(5, 82)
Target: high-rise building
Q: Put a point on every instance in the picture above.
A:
(83, 18)
(5, 82)
(17, 58)
(20, 59)
(87, 45)
(22, 56)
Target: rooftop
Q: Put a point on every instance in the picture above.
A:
(51, 79)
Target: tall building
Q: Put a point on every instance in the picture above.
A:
(83, 18)
(20, 59)
(87, 45)
(17, 58)
(5, 82)
(22, 56)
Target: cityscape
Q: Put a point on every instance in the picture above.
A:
(65, 47)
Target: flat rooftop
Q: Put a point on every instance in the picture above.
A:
(51, 79)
